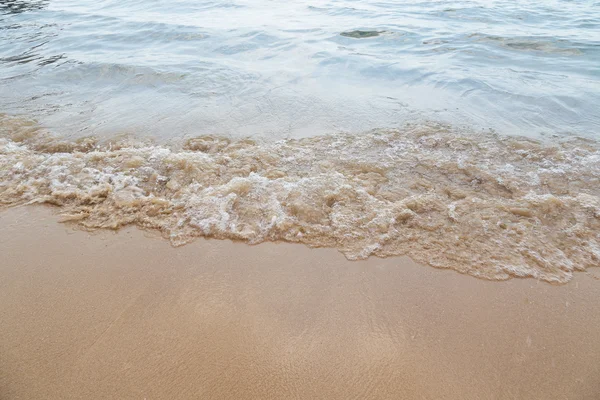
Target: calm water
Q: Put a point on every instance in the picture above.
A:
(274, 69)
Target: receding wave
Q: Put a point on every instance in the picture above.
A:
(489, 206)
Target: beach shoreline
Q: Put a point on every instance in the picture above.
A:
(482, 204)
(299, 200)
(125, 315)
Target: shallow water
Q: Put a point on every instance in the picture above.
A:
(283, 69)
(469, 130)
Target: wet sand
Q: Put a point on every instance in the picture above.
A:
(125, 315)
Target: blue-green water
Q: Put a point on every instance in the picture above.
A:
(274, 69)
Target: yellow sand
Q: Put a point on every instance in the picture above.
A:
(126, 316)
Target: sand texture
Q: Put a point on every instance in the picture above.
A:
(127, 316)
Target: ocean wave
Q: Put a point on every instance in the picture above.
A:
(490, 206)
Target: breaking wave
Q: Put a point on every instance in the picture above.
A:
(490, 206)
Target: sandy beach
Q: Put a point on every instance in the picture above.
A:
(109, 315)
(336, 200)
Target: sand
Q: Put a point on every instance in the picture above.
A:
(126, 316)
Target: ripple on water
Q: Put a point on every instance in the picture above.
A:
(340, 57)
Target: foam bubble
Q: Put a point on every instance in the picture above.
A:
(489, 206)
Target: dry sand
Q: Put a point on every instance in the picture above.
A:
(126, 316)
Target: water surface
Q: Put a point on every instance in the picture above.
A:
(283, 69)
(459, 187)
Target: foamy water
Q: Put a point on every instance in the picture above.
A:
(481, 204)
